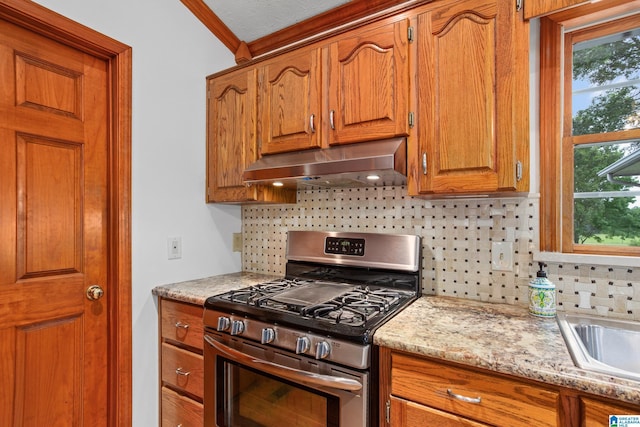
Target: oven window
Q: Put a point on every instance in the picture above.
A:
(248, 398)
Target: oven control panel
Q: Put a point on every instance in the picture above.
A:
(344, 246)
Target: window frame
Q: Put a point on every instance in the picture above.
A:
(556, 142)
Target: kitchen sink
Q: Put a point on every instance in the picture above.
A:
(603, 345)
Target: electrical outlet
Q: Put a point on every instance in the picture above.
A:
(174, 247)
(502, 256)
(237, 242)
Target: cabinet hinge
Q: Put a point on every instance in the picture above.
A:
(412, 120)
(519, 5)
(518, 171)
(387, 412)
(410, 34)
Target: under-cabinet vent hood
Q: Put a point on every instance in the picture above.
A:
(351, 165)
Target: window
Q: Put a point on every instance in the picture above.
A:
(590, 132)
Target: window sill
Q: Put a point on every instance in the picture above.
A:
(608, 260)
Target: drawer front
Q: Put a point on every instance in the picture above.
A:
(183, 369)
(182, 323)
(501, 401)
(179, 410)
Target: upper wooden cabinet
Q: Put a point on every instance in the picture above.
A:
(368, 92)
(290, 107)
(231, 140)
(543, 7)
(472, 99)
(353, 89)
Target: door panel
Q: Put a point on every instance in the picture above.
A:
(49, 189)
(53, 225)
(290, 109)
(369, 84)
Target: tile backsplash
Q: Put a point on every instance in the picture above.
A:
(457, 236)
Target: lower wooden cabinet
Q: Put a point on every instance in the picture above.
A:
(181, 364)
(595, 413)
(418, 391)
(406, 413)
(178, 410)
(425, 391)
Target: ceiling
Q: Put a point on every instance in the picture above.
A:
(251, 28)
(252, 19)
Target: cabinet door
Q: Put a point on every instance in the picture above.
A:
(543, 7)
(405, 413)
(231, 134)
(368, 89)
(467, 79)
(596, 413)
(290, 102)
(231, 140)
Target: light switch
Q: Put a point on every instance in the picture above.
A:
(502, 256)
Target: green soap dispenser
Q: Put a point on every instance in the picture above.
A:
(542, 295)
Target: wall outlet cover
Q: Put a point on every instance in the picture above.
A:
(502, 256)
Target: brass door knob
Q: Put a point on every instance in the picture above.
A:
(94, 292)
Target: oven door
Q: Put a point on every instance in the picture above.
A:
(248, 384)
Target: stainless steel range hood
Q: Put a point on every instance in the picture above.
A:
(350, 165)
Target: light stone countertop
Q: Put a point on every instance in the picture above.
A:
(497, 337)
(197, 291)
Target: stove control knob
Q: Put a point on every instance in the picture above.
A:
(322, 350)
(237, 327)
(223, 323)
(303, 344)
(268, 335)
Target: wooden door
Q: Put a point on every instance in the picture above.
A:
(54, 130)
(466, 85)
(369, 84)
(290, 108)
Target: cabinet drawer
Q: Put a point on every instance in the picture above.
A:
(182, 323)
(179, 410)
(502, 401)
(182, 369)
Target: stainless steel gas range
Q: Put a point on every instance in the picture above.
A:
(297, 351)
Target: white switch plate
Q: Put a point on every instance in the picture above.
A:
(502, 256)
(174, 247)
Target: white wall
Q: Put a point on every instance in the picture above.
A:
(172, 54)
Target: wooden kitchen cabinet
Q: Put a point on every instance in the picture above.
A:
(231, 140)
(420, 391)
(472, 100)
(290, 102)
(354, 89)
(544, 7)
(181, 363)
(595, 413)
(368, 92)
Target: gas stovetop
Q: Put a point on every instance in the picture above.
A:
(342, 285)
(343, 310)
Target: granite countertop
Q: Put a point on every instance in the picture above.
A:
(197, 291)
(498, 337)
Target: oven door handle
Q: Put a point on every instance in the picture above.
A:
(284, 371)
